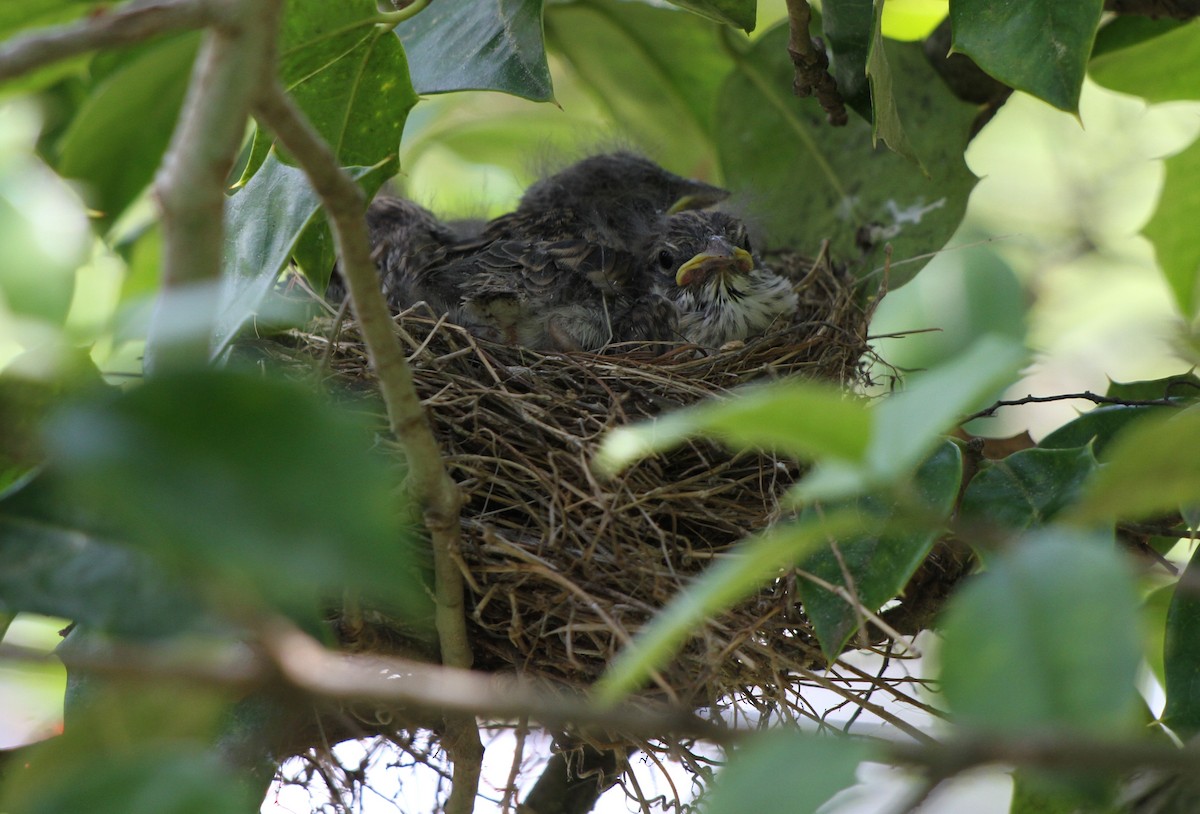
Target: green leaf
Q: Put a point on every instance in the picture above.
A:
(756, 561)
(801, 418)
(1146, 473)
(1097, 427)
(885, 119)
(1156, 610)
(1040, 48)
(908, 425)
(848, 28)
(806, 181)
(1185, 387)
(28, 14)
(118, 138)
(59, 570)
(254, 488)
(469, 45)
(349, 76)
(883, 556)
(1028, 488)
(737, 13)
(1047, 637)
(1181, 654)
(1162, 64)
(784, 771)
(263, 223)
(657, 70)
(1172, 229)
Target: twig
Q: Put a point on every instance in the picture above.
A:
(812, 65)
(133, 23)
(1087, 395)
(190, 186)
(428, 481)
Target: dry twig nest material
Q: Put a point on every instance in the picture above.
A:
(563, 568)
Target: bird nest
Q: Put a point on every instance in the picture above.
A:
(562, 567)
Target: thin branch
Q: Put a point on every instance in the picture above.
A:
(812, 65)
(432, 487)
(190, 186)
(1087, 395)
(130, 24)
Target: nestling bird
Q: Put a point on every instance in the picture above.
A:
(702, 263)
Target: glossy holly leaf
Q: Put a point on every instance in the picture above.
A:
(117, 139)
(875, 564)
(1185, 387)
(1158, 60)
(848, 28)
(1048, 636)
(806, 181)
(801, 418)
(737, 13)
(350, 77)
(1040, 48)
(254, 488)
(263, 222)
(786, 771)
(656, 69)
(1027, 488)
(1096, 427)
(57, 569)
(1181, 653)
(756, 560)
(1145, 473)
(1172, 231)
(465, 45)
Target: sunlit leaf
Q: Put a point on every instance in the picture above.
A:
(1172, 229)
(1048, 636)
(755, 561)
(349, 76)
(885, 119)
(1181, 653)
(1027, 488)
(469, 45)
(807, 182)
(1055, 43)
(1147, 471)
(1160, 60)
(806, 419)
(117, 140)
(875, 564)
(657, 70)
(786, 771)
(256, 487)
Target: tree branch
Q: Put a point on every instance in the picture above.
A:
(1087, 395)
(238, 49)
(428, 481)
(130, 24)
(812, 65)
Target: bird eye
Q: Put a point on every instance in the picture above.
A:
(666, 259)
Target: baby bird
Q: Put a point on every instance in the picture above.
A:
(702, 263)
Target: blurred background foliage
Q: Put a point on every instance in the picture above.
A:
(1078, 240)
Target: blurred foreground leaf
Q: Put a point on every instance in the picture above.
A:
(786, 772)
(254, 488)
(1048, 636)
(737, 13)
(1172, 229)
(875, 564)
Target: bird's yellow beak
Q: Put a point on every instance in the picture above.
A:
(717, 258)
